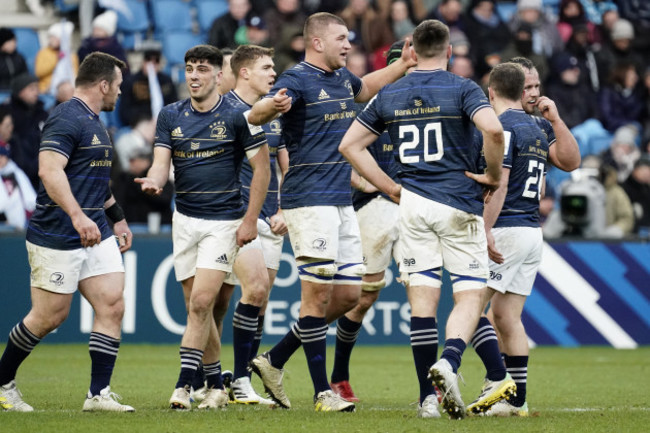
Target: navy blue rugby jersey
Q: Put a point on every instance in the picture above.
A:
(526, 153)
(273, 132)
(428, 115)
(322, 110)
(75, 131)
(382, 151)
(207, 151)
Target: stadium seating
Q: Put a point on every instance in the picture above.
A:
(208, 10)
(65, 6)
(28, 45)
(132, 29)
(175, 44)
(171, 15)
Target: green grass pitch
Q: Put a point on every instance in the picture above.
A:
(591, 389)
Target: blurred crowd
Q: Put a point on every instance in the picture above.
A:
(593, 57)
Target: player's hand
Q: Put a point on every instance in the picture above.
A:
(282, 101)
(493, 253)
(246, 232)
(278, 225)
(148, 185)
(123, 235)
(396, 193)
(408, 56)
(88, 230)
(488, 182)
(548, 109)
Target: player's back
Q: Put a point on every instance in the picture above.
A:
(428, 115)
(526, 153)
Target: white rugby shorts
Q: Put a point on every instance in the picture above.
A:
(522, 253)
(433, 235)
(325, 232)
(60, 271)
(379, 226)
(201, 243)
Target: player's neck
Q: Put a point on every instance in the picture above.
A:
(432, 64)
(206, 104)
(317, 60)
(247, 94)
(93, 101)
(501, 105)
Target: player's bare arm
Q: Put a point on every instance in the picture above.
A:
(354, 149)
(267, 109)
(51, 167)
(158, 174)
(374, 81)
(261, 165)
(565, 153)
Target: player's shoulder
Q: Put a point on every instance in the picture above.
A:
(175, 108)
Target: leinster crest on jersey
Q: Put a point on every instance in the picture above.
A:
(218, 130)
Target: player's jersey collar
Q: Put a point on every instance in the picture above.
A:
(516, 110)
(237, 97)
(212, 110)
(322, 71)
(426, 71)
(85, 106)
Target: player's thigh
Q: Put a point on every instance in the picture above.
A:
(250, 255)
(522, 251)
(420, 244)
(251, 270)
(104, 292)
(378, 223)
(313, 231)
(464, 247)
(271, 245)
(53, 270)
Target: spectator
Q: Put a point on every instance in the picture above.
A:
(619, 214)
(621, 101)
(487, 35)
(223, 30)
(546, 38)
(623, 152)
(646, 113)
(450, 13)
(604, 29)
(572, 14)
(285, 18)
(29, 117)
(64, 92)
(566, 88)
(291, 51)
(17, 195)
(578, 46)
(103, 38)
(253, 33)
(49, 57)
(619, 51)
(136, 99)
(138, 205)
(12, 63)
(637, 187)
(460, 45)
(138, 140)
(369, 30)
(522, 46)
(462, 66)
(401, 22)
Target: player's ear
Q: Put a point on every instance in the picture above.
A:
(317, 44)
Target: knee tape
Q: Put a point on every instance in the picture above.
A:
(316, 270)
(429, 278)
(374, 286)
(349, 273)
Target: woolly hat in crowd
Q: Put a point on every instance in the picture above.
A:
(21, 81)
(106, 21)
(6, 35)
(530, 4)
(60, 29)
(622, 29)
